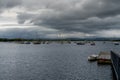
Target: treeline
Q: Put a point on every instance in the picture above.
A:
(20, 39)
(17, 39)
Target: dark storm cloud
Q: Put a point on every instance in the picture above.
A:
(79, 15)
(86, 16)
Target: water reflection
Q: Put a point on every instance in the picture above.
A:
(52, 62)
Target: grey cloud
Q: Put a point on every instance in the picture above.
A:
(24, 16)
(87, 16)
(37, 33)
(81, 16)
(88, 25)
(24, 33)
(9, 3)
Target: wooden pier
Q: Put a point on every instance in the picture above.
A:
(104, 58)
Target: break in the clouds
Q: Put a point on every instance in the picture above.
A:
(71, 18)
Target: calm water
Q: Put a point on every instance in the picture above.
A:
(52, 62)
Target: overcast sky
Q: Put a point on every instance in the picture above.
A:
(59, 18)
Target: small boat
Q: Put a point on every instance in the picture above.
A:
(116, 43)
(36, 42)
(92, 44)
(92, 58)
(27, 42)
(80, 43)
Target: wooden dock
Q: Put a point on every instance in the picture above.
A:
(104, 58)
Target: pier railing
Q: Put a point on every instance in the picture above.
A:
(115, 58)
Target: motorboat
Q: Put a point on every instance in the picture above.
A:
(92, 57)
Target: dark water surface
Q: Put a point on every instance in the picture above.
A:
(53, 62)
